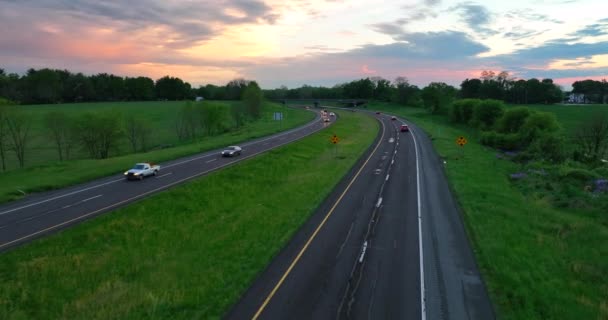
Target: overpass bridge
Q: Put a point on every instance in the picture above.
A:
(318, 102)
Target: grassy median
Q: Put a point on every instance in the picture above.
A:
(55, 174)
(186, 253)
(539, 262)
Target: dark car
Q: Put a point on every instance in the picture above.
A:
(393, 118)
(232, 151)
(404, 128)
(377, 112)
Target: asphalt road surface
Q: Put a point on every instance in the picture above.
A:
(391, 222)
(44, 213)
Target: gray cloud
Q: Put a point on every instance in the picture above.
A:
(520, 33)
(428, 52)
(529, 14)
(476, 16)
(554, 50)
(188, 22)
(593, 30)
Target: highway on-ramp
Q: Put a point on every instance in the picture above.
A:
(40, 214)
(388, 243)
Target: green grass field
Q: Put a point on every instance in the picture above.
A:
(538, 262)
(187, 253)
(51, 174)
(160, 115)
(571, 116)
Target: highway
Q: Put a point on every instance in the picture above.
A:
(40, 214)
(388, 243)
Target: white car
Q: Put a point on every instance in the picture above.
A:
(331, 114)
(232, 151)
(141, 170)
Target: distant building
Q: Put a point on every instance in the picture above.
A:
(577, 98)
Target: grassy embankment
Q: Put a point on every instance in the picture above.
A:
(52, 174)
(539, 262)
(188, 252)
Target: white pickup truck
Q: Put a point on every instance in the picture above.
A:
(141, 170)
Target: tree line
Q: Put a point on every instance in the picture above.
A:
(62, 86)
(489, 85)
(99, 134)
(594, 91)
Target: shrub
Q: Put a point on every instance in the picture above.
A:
(512, 120)
(462, 110)
(577, 174)
(537, 124)
(549, 147)
(509, 141)
(486, 113)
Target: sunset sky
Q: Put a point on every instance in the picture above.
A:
(308, 42)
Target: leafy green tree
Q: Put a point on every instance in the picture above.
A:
(462, 110)
(171, 88)
(470, 89)
(239, 114)
(186, 122)
(512, 120)
(18, 126)
(486, 113)
(252, 98)
(4, 109)
(213, 118)
(99, 133)
(537, 124)
(139, 89)
(137, 131)
(235, 88)
(61, 132)
(78, 87)
(41, 86)
(405, 93)
(438, 97)
(591, 137)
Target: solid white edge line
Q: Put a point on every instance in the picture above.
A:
(164, 166)
(422, 291)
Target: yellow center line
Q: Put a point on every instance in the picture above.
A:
(314, 234)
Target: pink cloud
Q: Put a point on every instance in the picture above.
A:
(366, 70)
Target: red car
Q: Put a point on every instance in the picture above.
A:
(404, 128)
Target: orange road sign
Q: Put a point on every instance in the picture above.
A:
(461, 141)
(334, 139)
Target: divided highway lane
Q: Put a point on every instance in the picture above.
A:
(48, 212)
(358, 256)
(390, 223)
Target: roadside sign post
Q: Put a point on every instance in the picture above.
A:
(334, 139)
(461, 141)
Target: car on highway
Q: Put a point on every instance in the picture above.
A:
(404, 128)
(142, 170)
(331, 114)
(377, 112)
(393, 118)
(232, 151)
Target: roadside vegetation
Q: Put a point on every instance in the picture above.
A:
(535, 216)
(71, 143)
(189, 252)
